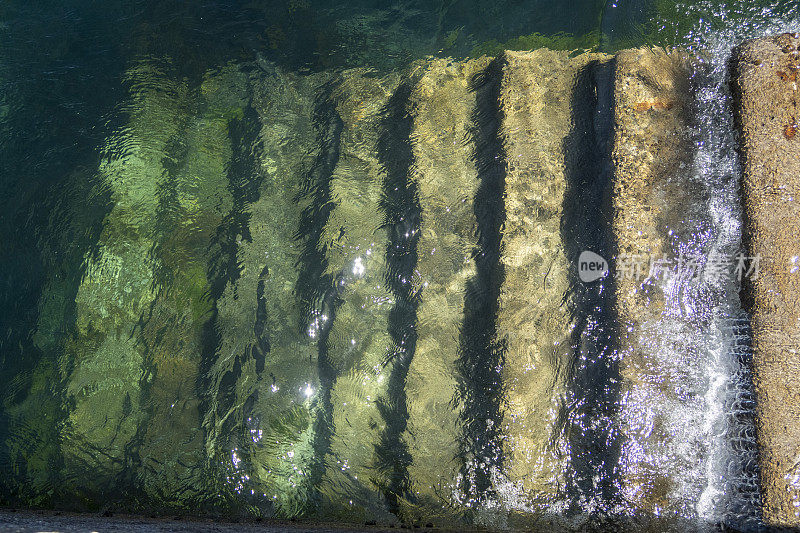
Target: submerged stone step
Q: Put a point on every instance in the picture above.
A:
(103, 361)
(534, 316)
(653, 230)
(137, 351)
(356, 305)
(262, 367)
(196, 199)
(445, 181)
(766, 87)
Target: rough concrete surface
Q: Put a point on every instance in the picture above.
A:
(33, 521)
(765, 83)
(651, 115)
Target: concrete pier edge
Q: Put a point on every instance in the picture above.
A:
(764, 84)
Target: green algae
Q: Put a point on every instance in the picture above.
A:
(558, 41)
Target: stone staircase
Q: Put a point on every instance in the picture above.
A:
(356, 296)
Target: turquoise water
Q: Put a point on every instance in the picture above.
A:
(196, 276)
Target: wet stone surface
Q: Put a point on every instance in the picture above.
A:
(767, 96)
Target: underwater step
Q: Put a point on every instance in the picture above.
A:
(535, 310)
(658, 346)
(141, 306)
(258, 363)
(765, 85)
(441, 239)
(352, 314)
(105, 357)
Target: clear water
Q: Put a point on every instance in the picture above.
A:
(197, 318)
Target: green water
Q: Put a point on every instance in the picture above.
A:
(222, 294)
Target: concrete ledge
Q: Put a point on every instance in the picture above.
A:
(13, 521)
(765, 84)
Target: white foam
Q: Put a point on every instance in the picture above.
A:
(727, 466)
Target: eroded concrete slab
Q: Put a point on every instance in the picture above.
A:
(766, 87)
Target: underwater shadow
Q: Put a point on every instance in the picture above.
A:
(481, 352)
(400, 205)
(588, 417)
